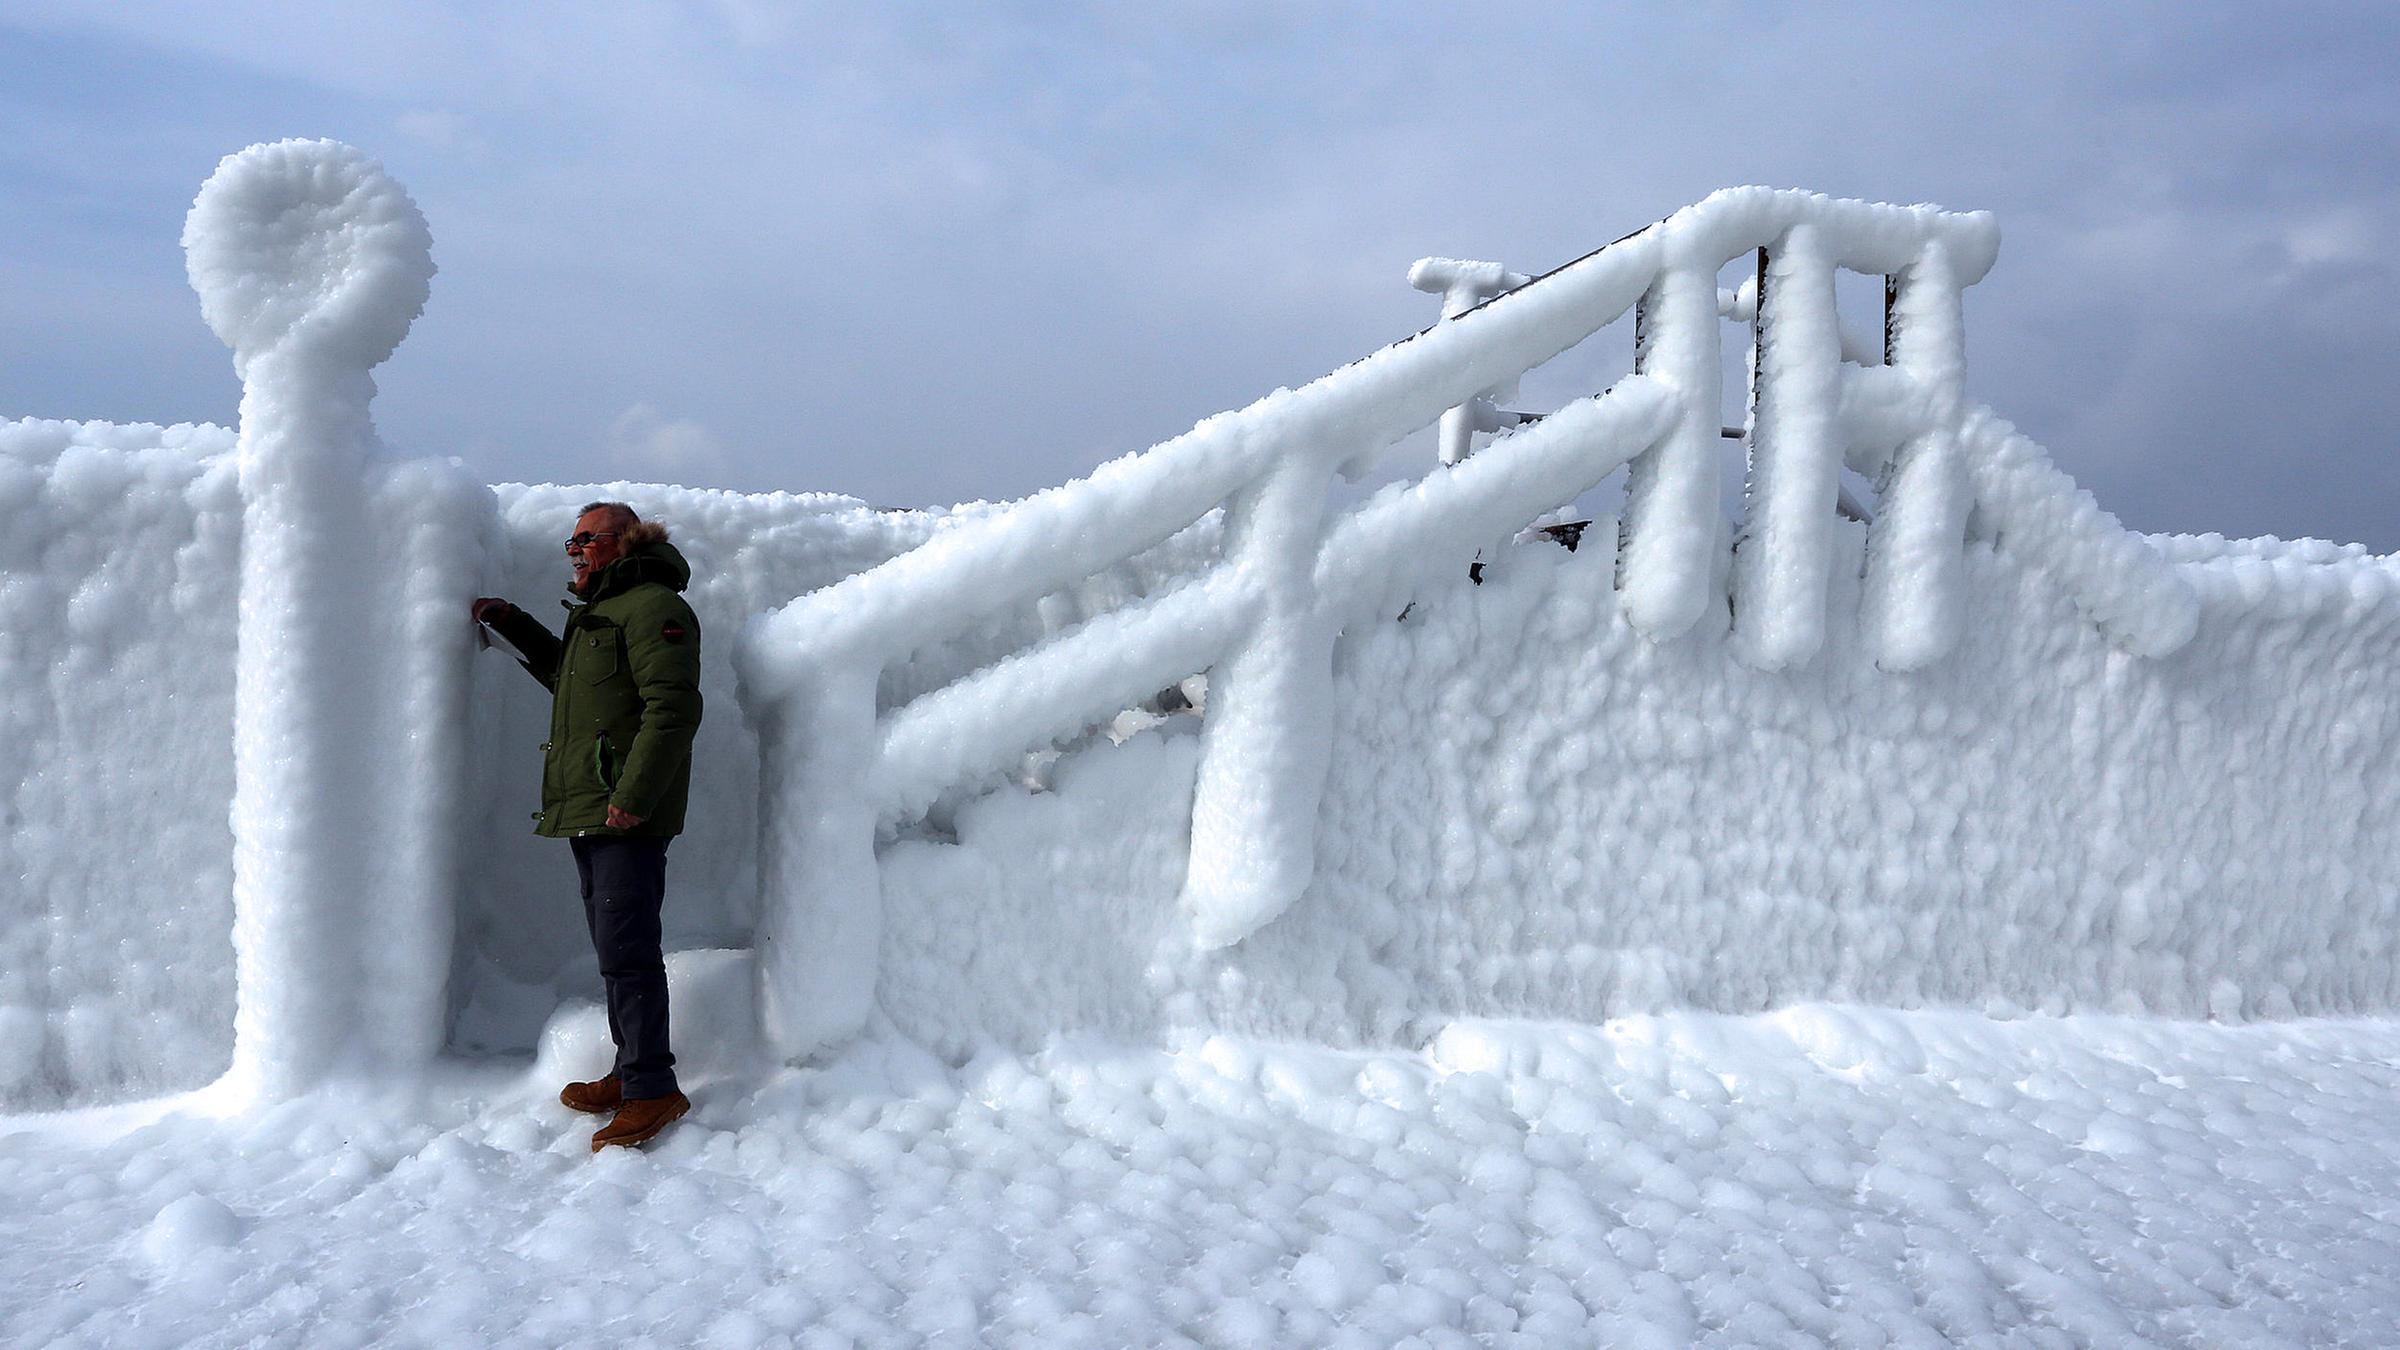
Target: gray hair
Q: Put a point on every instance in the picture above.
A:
(619, 514)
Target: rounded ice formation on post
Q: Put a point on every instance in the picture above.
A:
(308, 235)
(311, 264)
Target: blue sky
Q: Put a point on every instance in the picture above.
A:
(925, 252)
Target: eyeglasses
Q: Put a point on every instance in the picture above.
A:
(585, 540)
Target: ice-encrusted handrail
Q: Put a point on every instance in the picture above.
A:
(1264, 620)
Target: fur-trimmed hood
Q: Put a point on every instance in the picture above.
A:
(648, 557)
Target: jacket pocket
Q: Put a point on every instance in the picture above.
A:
(596, 655)
(604, 760)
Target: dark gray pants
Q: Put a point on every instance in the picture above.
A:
(624, 882)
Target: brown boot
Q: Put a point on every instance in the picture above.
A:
(598, 1097)
(639, 1120)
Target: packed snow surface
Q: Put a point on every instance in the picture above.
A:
(1819, 1176)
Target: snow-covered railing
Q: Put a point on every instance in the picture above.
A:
(1264, 620)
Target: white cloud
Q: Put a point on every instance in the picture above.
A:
(645, 445)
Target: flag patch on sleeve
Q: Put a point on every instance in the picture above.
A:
(674, 631)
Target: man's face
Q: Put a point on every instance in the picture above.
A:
(606, 544)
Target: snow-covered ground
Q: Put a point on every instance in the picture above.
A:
(1818, 1176)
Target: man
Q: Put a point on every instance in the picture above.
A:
(616, 772)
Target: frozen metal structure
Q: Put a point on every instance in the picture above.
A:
(1264, 618)
(311, 264)
(1936, 757)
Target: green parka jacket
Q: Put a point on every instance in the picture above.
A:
(625, 694)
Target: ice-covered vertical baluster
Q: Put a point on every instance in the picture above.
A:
(821, 909)
(1782, 569)
(311, 264)
(1263, 748)
(1463, 285)
(1671, 516)
(1912, 605)
(438, 527)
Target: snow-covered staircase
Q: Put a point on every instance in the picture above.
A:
(1263, 618)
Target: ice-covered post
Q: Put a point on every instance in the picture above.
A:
(1671, 516)
(1912, 606)
(1463, 285)
(1785, 563)
(1264, 743)
(311, 264)
(820, 919)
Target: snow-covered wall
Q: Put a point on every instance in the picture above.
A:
(119, 572)
(119, 550)
(1534, 812)
(120, 553)
(1530, 809)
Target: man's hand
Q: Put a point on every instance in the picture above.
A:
(490, 607)
(621, 819)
